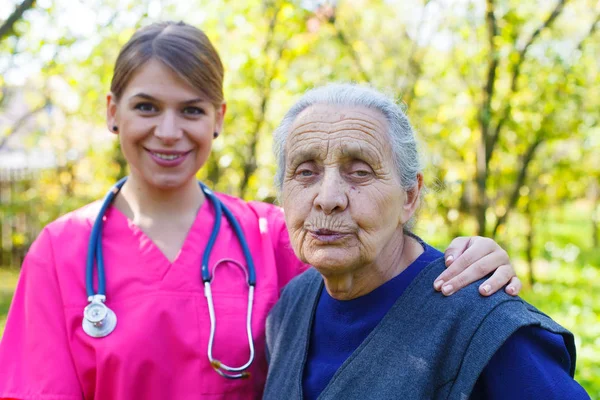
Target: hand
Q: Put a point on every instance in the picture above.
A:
(469, 259)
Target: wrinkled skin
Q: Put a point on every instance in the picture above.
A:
(344, 205)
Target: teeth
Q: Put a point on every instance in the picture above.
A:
(168, 157)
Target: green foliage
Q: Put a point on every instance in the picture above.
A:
(8, 282)
(571, 295)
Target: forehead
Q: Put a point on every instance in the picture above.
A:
(157, 79)
(343, 127)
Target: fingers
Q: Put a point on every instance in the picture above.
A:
(503, 275)
(483, 266)
(456, 248)
(477, 248)
(514, 287)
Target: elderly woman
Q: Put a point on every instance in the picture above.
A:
(365, 321)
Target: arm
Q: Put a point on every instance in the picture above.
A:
(471, 258)
(34, 351)
(468, 259)
(532, 363)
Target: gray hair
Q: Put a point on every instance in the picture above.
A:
(402, 137)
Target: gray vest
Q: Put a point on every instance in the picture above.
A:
(426, 347)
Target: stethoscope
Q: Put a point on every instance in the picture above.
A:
(99, 320)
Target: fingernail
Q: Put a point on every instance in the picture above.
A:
(486, 289)
(449, 259)
(438, 284)
(447, 290)
(511, 290)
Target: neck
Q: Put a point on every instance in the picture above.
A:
(138, 200)
(395, 257)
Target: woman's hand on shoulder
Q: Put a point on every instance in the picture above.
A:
(469, 259)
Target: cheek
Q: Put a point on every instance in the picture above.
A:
(133, 130)
(297, 207)
(205, 147)
(297, 203)
(376, 209)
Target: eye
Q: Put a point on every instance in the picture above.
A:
(193, 111)
(361, 173)
(360, 170)
(306, 171)
(145, 107)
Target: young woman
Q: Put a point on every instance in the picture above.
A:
(164, 335)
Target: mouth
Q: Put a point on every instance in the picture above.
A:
(168, 155)
(328, 236)
(168, 158)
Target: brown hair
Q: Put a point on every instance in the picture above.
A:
(182, 47)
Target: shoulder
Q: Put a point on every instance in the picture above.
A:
(295, 302)
(300, 289)
(467, 300)
(256, 209)
(532, 360)
(83, 217)
(476, 326)
(302, 283)
(467, 310)
(68, 226)
(237, 204)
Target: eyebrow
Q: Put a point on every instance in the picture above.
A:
(301, 156)
(356, 151)
(148, 97)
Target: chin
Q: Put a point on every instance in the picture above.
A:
(332, 261)
(164, 182)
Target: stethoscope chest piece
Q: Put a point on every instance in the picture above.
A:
(98, 320)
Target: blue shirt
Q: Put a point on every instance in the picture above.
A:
(532, 361)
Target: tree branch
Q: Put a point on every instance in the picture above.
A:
(526, 160)
(488, 89)
(516, 71)
(485, 119)
(7, 27)
(355, 57)
(414, 62)
(591, 31)
(530, 153)
(21, 121)
(250, 165)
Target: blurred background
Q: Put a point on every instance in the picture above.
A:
(504, 95)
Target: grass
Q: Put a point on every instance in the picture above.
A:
(8, 282)
(570, 294)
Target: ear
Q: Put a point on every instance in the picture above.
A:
(411, 202)
(220, 117)
(111, 112)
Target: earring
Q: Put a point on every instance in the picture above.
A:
(115, 129)
(215, 135)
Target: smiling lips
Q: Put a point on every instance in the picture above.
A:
(168, 158)
(328, 236)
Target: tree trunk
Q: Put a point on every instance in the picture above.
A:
(530, 244)
(7, 27)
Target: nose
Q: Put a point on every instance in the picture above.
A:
(332, 194)
(168, 128)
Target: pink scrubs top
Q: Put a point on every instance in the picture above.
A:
(159, 347)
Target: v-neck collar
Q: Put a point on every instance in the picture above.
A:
(151, 255)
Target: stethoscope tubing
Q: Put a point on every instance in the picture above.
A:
(96, 328)
(220, 209)
(95, 254)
